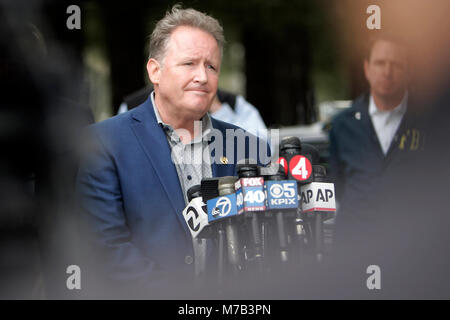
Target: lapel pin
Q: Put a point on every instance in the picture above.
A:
(224, 160)
(358, 115)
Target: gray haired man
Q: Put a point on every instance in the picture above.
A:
(133, 184)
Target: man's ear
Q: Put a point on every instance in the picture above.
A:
(153, 70)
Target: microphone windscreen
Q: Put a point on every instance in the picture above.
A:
(320, 173)
(290, 142)
(209, 188)
(194, 192)
(308, 149)
(247, 168)
(226, 185)
(277, 175)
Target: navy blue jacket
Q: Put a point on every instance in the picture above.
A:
(130, 191)
(357, 162)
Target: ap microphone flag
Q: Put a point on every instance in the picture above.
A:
(318, 196)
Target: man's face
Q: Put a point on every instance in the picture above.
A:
(186, 81)
(386, 70)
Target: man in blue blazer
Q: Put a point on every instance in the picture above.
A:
(132, 183)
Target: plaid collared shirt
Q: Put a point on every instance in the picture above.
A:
(188, 158)
(191, 168)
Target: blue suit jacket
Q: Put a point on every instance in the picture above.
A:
(130, 192)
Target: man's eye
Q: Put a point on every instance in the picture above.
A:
(211, 67)
(188, 63)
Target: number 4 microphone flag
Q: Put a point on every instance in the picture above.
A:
(300, 168)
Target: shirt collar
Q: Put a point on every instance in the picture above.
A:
(155, 109)
(400, 109)
(206, 122)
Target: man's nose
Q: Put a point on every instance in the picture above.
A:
(200, 74)
(388, 69)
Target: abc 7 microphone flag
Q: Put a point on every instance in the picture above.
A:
(222, 207)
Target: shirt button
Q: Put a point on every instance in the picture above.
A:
(188, 260)
(189, 177)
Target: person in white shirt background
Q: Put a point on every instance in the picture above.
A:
(236, 110)
(386, 72)
(377, 133)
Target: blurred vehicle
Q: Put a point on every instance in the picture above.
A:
(316, 133)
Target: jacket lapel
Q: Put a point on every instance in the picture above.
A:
(222, 169)
(406, 123)
(367, 126)
(154, 143)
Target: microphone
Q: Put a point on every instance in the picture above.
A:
(196, 217)
(209, 188)
(318, 204)
(297, 165)
(224, 205)
(253, 201)
(318, 196)
(221, 210)
(227, 187)
(311, 152)
(195, 214)
(282, 197)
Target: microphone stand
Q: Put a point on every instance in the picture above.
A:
(319, 236)
(282, 237)
(300, 234)
(221, 254)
